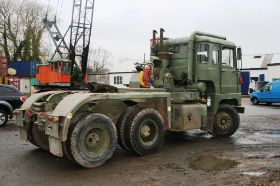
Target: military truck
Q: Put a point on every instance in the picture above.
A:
(196, 86)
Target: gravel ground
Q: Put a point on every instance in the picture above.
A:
(250, 157)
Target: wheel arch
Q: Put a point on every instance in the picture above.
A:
(6, 107)
(232, 101)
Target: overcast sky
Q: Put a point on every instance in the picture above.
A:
(124, 27)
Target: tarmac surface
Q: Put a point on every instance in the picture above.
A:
(250, 157)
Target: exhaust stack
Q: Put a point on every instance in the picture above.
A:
(161, 38)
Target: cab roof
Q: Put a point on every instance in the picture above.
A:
(185, 40)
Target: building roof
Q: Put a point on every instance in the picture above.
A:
(260, 61)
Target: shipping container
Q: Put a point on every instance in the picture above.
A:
(24, 68)
(14, 80)
(245, 75)
(3, 67)
(25, 87)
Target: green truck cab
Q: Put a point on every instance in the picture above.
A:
(196, 86)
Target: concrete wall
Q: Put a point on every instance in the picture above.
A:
(25, 87)
(99, 78)
(120, 80)
(257, 73)
(274, 72)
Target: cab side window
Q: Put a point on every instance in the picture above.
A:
(202, 51)
(227, 57)
(178, 49)
(215, 55)
(268, 88)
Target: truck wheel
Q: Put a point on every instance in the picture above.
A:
(3, 118)
(122, 124)
(93, 140)
(255, 101)
(30, 136)
(66, 144)
(146, 131)
(39, 138)
(226, 121)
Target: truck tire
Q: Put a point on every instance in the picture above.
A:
(226, 121)
(93, 140)
(146, 131)
(3, 118)
(39, 138)
(122, 124)
(30, 136)
(255, 101)
(66, 144)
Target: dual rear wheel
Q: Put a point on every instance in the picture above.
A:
(140, 131)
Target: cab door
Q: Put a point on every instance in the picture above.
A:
(228, 70)
(266, 94)
(275, 93)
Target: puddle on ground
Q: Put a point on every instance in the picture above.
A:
(259, 137)
(212, 163)
(253, 173)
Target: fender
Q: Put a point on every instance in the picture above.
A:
(8, 106)
(67, 108)
(35, 97)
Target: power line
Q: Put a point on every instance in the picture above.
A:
(60, 10)
(48, 7)
(57, 5)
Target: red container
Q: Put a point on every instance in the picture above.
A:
(3, 67)
(14, 81)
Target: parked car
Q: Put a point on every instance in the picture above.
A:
(269, 94)
(10, 99)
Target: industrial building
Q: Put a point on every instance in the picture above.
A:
(263, 67)
(266, 66)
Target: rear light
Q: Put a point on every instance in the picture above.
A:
(29, 113)
(23, 98)
(53, 119)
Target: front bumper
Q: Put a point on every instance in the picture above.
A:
(240, 109)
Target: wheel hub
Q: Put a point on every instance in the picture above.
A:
(96, 140)
(145, 131)
(224, 120)
(148, 131)
(93, 139)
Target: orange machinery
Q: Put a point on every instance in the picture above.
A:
(55, 72)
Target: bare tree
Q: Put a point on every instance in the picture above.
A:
(100, 59)
(21, 29)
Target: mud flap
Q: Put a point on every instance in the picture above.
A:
(23, 134)
(55, 146)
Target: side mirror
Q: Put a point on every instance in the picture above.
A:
(239, 53)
